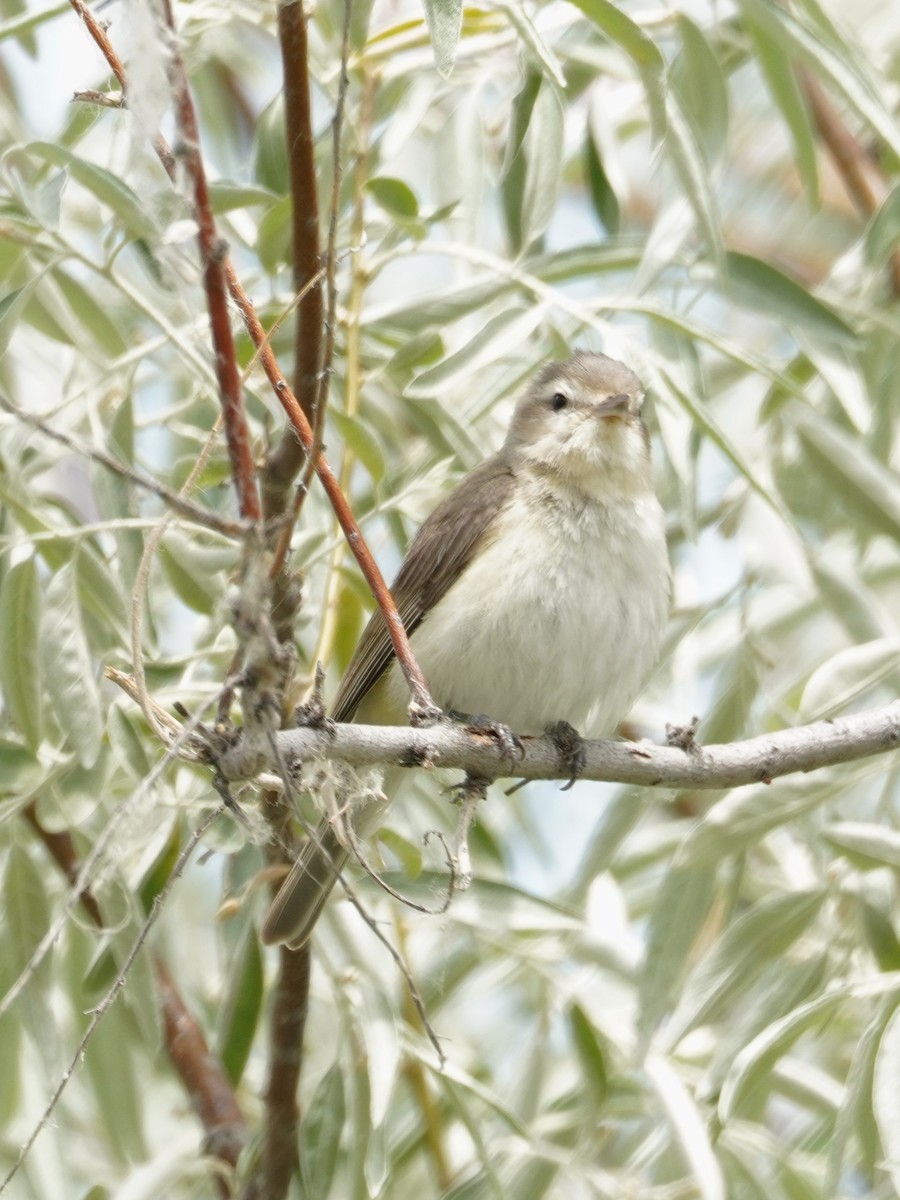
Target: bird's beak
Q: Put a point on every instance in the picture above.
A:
(621, 405)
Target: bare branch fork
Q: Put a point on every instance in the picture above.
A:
(756, 760)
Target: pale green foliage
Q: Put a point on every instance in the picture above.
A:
(682, 995)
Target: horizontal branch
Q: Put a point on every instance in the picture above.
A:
(757, 760)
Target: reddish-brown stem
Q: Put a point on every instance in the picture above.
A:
(300, 427)
(213, 253)
(211, 1094)
(355, 540)
(286, 460)
(290, 1004)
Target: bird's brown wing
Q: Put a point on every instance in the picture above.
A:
(438, 555)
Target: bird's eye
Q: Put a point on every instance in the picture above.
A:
(559, 401)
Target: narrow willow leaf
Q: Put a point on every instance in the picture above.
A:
(358, 436)
(837, 64)
(605, 201)
(781, 78)
(444, 24)
(498, 337)
(690, 1127)
(754, 1063)
(20, 672)
(544, 165)
(591, 1054)
(886, 1096)
(12, 306)
(868, 488)
(620, 28)
(241, 1007)
(270, 161)
(91, 317)
(856, 1114)
(696, 75)
(195, 570)
(739, 955)
(103, 185)
(226, 197)
(684, 153)
(680, 907)
(883, 234)
(26, 915)
(745, 816)
(116, 1082)
(74, 694)
(761, 286)
(535, 46)
(847, 675)
(866, 845)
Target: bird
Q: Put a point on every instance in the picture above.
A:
(535, 594)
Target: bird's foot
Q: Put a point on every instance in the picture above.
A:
(509, 742)
(570, 745)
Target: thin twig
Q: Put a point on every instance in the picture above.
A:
(212, 254)
(191, 512)
(106, 1003)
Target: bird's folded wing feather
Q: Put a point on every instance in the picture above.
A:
(438, 555)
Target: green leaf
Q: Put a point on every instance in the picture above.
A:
(702, 92)
(91, 317)
(195, 570)
(270, 161)
(74, 694)
(781, 78)
(444, 23)
(620, 28)
(886, 1096)
(239, 1014)
(737, 958)
(868, 489)
(866, 845)
(320, 1134)
(395, 197)
(409, 854)
(591, 1054)
(498, 337)
(849, 674)
(604, 199)
(680, 907)
(103, 185)
(12, 305)
(226, 197)
(761, 286)
(746, 815)
(883, 233)
(116, 1083)
(754, 1063)
(273, 236)
(20, 625)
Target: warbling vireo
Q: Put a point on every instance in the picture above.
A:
(535, 594)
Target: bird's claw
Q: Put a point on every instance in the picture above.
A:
(570, 745)
(510, 743)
